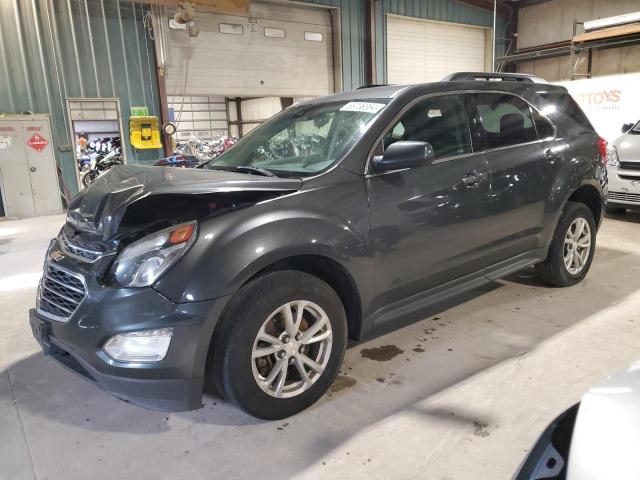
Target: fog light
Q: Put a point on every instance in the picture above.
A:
(144, 346)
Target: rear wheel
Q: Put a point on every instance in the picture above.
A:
(572, 247)
(280, 344)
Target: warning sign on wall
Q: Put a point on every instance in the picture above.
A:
(37, 142)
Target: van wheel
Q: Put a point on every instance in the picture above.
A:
(280, 344)
(572, 247)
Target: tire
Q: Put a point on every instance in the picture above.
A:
(243, 379)
(614, 210)
(554, 269)
(88, 178)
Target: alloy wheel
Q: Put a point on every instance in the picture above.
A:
(577, 246)
(292, 349)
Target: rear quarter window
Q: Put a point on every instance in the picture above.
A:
(575, 119)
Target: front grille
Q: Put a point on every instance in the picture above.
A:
(82, 250)
(624, 196)
(629, 166)
(60, 293)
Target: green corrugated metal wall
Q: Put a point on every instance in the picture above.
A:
(441, 10)
(51, 50)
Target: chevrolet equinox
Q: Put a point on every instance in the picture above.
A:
(333, 218)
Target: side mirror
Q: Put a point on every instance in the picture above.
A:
(626, 127)
(404, 154)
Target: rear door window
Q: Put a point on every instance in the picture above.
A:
(441, 121)
(505, 120)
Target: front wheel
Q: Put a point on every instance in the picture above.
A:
(280, 344)
(572, 247)
(88, 178)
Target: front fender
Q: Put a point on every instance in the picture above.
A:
(232, 248)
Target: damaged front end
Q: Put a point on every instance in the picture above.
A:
(143, 215)
(99, 310)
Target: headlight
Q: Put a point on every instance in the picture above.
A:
(144, 346)
(612, 156)
(142, 262)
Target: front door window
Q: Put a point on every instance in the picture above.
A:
(440, 121)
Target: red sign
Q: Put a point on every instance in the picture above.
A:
(37, 142)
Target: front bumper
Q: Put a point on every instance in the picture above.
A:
(174, 383)
(624, 188)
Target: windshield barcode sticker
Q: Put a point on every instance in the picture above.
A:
(365, 107)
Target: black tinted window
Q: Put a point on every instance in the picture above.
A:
(573, 116)
(505, 119)
(543, 125)
(440, 121)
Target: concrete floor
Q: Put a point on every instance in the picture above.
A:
(462, 394)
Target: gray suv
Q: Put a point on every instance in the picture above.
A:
(623, 165)
(331, 220)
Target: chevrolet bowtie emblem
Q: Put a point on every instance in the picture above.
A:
(57, 255)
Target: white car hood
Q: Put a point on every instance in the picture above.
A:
(606, 436)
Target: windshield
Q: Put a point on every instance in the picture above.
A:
(304, 140)
(636, 128)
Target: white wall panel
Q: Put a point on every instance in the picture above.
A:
(407, 50)
(425, 51)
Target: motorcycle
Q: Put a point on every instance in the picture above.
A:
(204, 149)
(95, 150)
(102, 164)
(87, 160)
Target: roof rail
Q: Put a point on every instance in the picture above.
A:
(373, 85)
(492, 76)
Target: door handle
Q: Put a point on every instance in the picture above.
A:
(33, 169)
(473, 179)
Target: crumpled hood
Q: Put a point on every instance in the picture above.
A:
(99, 209)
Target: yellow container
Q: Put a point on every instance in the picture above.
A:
(144, 132)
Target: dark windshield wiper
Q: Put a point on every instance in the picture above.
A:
(246, 169)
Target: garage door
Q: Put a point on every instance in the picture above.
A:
(275, 51)
(425, 51)
(200, 116)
